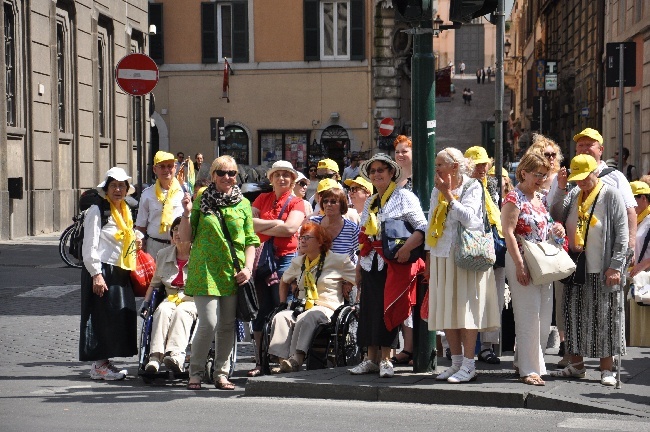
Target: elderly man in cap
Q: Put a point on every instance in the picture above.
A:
(590, 142)
(160, 204)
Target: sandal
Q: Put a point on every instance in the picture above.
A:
(404, 360)
(571, 371)
(224, 384)
(255, 372)
(488, 356)
(194, 386)
(532, 379)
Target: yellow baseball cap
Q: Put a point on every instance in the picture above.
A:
(504, 172)
(326, 184)
(640, 188)
(590, 133)
(477, 154)
(328, 164)
(361, 182)
(581, 166)
(162, 156)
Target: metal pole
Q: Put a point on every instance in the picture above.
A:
(541, 113)
(621, 90)
(498, 112)
(423, 134)
(138, 136)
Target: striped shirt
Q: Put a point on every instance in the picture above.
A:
(347, 242)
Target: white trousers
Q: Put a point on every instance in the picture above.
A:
(170, 331)
(289, 335)
(493, 337)
(216, 322)
(532, 306)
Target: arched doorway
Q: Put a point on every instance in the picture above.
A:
(235, 144)
(335, 141)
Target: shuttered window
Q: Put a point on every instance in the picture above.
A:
(224, 31)
(334, 30)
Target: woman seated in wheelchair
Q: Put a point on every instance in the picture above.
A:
(173, 318)
(322, 279)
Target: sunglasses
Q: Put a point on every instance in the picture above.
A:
(305, 238)
(550, 155)
(312, 169)
(302, 183)
(355, 189)
(330, 202)
(378, 171)
(221, 173)
(325, 176)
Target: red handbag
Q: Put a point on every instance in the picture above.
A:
(145, 268)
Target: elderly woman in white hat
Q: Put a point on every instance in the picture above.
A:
(108, 310)
(277, 216)
(387, 286)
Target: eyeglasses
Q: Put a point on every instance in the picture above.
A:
(540, 176)
(378, 171)
(325, 176)
(302, 183)
(355, 189)
(305, 238)
(115, 186)
(329, 201)
(312, 170)
(166, 166)
(222, 173)
(550, 155)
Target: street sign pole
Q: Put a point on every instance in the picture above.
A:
(621, 94)
(498, 111)
(423, 92)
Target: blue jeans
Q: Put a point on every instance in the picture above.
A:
(269, 296)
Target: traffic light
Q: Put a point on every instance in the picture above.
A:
(413, 10)
(465, 11)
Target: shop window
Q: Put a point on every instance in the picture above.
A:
(235, 144)
(285, 145)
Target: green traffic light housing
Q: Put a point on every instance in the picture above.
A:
(464, 11)
(413, 10)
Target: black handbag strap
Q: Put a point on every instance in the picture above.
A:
(226, 234)
(646, 240)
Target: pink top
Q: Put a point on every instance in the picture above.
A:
(534, 222)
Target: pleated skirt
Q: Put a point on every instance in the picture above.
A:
(462, 299)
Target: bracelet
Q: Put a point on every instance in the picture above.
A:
(186, 216)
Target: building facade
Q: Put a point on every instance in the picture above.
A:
(300, 86)
(65, 120)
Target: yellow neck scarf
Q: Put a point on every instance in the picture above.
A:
(437, 222)
(371, 226)
(311, 293)
(583, 213)
(493, 212)
(168, 206)
(125, 233)
(642, 215)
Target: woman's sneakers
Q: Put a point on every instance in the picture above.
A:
(466, 373)
(608, 378)
(106, 371)
(365, 367)
(448, 372)
(386, 369)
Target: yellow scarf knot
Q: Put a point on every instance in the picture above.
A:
(168, 207)
(372, 226)
(584, 205)
(311, 292)
(124, 234)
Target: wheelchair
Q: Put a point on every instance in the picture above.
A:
(157, 296)
(333, 344)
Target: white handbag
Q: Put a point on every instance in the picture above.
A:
(641, 290)
(546, 262)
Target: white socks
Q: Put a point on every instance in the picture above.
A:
(457, 360)
(469, 364)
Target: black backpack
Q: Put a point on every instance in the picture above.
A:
(86, 200)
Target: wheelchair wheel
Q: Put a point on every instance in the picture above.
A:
(265, 358)
(64, 249)
(348, 352)
(318, 355)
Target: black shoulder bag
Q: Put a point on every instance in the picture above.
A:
(266, 264)
(579, 276)
(247, 303)
(394, 233)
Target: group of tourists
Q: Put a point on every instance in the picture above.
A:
(328, 249)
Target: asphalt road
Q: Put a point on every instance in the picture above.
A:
(44, 386)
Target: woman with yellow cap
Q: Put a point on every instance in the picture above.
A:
(640, 315)
(594, 214)
(481, 165)
(461, 302)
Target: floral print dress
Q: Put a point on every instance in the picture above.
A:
(534, 222)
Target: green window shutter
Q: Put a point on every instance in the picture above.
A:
(209, 50)
(357, 30)
(312, 30)
(240, 32)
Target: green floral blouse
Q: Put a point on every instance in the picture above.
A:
(210, 270)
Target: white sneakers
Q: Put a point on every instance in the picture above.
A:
(386, 369)
(365, 367)
(448, 372)
(106, 372)
(608, 378)
(464, 374)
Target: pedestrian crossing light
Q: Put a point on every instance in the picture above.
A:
(413, 10)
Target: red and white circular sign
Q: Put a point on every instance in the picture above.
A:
(386, 126)
(136, 74)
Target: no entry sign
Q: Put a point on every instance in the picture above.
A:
(136, 74)
(386, 126)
